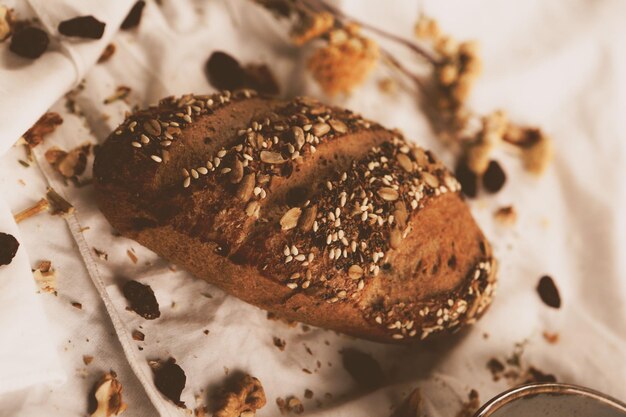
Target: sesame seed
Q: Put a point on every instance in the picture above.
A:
(144, 139)
(156, 158)
(187, 182)
(292, 285)
(136, 144)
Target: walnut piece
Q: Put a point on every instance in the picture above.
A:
(108, 394)
(69, 164)
(245, 397)
(411, 406)
(45, 277)
(44, 126)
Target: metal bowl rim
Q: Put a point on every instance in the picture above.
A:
(545, 388)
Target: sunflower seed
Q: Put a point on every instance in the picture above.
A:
(152, 127)
(405, 162)
(237, 172)
(355, 272)
(338, 126)
(307, 218)
(395, 238)
(298, 136)
(430, 179)
(388, 194)
(272, 158)
(253, 208)
(290, 218)
(320, 129)
(244, 192)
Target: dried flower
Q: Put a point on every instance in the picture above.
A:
(345, 62)
(312, 26)
(7, 20)
(479, 152)
(427, 28)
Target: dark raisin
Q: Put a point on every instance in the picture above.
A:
(170, 380)
(82, 27)
(142, 300)
(494, 178)
(224, 71)
(133, 18)
(8, 248)
(548, 292)
(29, 42)
(468, 180)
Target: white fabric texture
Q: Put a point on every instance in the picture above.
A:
(557, 65)
(28, 352)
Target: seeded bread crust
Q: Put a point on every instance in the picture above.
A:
(305, 210)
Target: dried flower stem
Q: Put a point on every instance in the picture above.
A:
(42, 205)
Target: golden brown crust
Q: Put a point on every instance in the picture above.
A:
(302, 209)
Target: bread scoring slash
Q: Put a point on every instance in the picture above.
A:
(306, 210)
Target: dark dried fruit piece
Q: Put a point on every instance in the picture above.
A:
(548, 292)
(107, 53)
(82, 27)
(134, 16)
(494, 178)
(467, 178)
(8, 248)
(142, 300)
(224, 71)
(29, 42)
(169, 379)
(361, 366)
(260, 78)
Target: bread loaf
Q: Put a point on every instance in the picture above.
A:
(305, 210)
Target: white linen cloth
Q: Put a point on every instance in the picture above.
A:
(27, 352)
(28, 88)
(559, 65)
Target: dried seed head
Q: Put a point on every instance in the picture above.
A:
(388, 194)
(272, 158)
